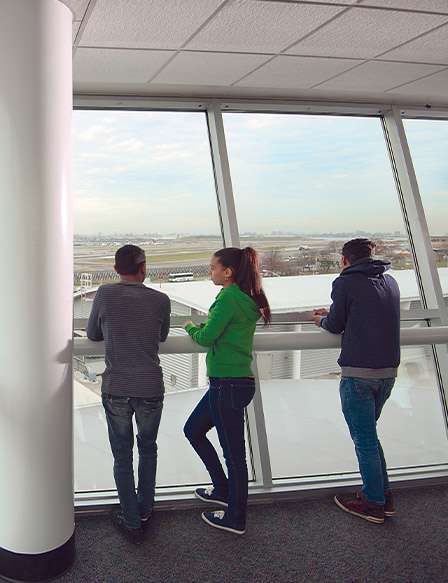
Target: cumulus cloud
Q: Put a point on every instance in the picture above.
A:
(92, 132)
(131, 145)
(97, 170)
(92, 155)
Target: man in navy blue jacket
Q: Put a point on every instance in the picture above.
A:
(366, 310)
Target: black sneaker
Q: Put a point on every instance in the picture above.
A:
(219, 519)
(146, 523)
(135, 535)
(360, 506)
(389, 509)
(209, 495)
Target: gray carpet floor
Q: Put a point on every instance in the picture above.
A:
(286, 542)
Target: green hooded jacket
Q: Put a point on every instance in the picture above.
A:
(229, 333)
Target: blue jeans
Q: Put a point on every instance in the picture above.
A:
(223, 407)
(119, 413)
(362, 401)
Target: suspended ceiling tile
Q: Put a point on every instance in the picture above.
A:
(348, 2)
(440, 6)
(366, 33)
(429, 48)
(431, 87)
(117, 65)
(378, 76)
(159, 24)
(78, 7)
(259, 26)
(189, 68)
(296, 72)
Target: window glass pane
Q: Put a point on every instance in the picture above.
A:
(142, 173)
(428, 142)
(144, 178)
(303, 414)
(303, 186)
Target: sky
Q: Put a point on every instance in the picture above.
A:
(151, 172)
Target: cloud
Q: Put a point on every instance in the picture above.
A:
(93, 155)
(92, 132)
(172, 155)
(258, 123)
(97, 170)
(131, 145)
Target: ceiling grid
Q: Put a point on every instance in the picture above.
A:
(353, 50)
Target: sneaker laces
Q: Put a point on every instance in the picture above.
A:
(209, 490)
(219, 514)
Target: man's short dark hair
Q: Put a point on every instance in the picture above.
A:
(129, 259)
(358, 249)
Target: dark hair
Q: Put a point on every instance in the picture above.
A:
(245, 266)
(358, 249)
(129, 260)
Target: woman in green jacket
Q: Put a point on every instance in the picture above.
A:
(228, 334)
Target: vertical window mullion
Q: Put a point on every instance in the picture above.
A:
(223, 181)
(417, 228)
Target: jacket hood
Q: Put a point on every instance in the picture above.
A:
(246, 303)
(368, 266)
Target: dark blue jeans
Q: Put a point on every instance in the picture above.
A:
(362, 401)
(119, 413)
(223, 407)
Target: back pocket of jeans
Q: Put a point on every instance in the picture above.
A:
(242, 393)
(115, 403)
(152, 405)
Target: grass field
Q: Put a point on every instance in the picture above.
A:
(168, 257)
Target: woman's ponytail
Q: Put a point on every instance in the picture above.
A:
(245, 265)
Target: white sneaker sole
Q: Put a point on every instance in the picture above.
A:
(209, 500)
(365, 516)
(221, 527)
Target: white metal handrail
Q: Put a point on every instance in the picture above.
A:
(272, 341)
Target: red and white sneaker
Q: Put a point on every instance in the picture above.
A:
(360, 506)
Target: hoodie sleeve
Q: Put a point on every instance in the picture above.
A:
(221, 312)
(336, 319)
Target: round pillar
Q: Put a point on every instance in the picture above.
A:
(36, 245)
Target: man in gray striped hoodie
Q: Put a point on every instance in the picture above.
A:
(132, 319)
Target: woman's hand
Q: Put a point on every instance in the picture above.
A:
(186, 323)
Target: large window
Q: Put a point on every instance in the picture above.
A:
(302, 186)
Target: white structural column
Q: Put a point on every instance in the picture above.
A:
(36, 244)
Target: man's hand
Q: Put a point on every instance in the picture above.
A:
(318, 315)
(186, 323)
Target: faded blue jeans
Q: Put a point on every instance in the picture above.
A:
(119, 413)
(362, 401)
(222, 407)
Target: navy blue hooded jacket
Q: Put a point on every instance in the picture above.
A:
(366, 308)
